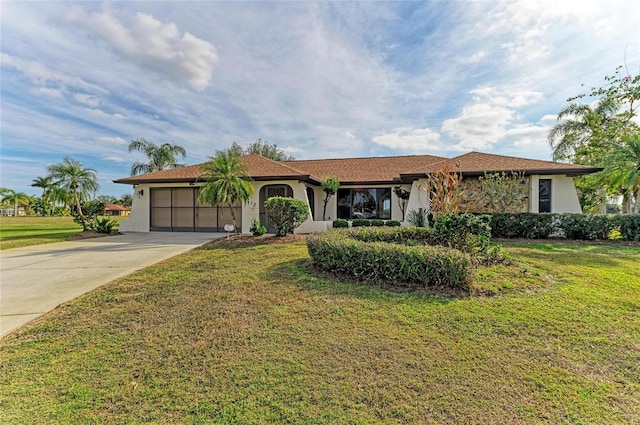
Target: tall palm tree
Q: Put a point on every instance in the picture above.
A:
(76, 179)
(576, 124)
(228, 182)
(622, 171)
(15, 199)
(160, 157)
(44, 183)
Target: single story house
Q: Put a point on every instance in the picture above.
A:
(167, 200)
(116, 210)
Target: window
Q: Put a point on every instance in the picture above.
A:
(364, 203)
(544, 195)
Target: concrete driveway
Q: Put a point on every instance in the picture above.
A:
(36, 279)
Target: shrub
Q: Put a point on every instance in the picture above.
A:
(418, 218)
(342, 252)
(587, 226)
(286, 213)
(466, 232)
(361, 222)
(630, 227)
(340, 223)
(102, 225)
(392, 223)
(522, 225)
(376, 222)
(257, 228)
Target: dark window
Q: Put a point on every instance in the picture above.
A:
(364, 203)
(544, 195)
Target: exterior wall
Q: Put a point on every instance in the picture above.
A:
(474, 201)
(564, 198)
(418, 198)
(138, 220)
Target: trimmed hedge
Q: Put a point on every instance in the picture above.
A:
(347, 252)
(570, 226)
(340, 223)
(630, 227)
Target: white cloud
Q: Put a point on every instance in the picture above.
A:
(408, 139)
(48, 92)
(118, 159)
(41, 75)
(478, 126)
(150, 43)
(112, 140)
(87, 99)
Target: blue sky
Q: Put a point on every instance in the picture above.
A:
(321, 80)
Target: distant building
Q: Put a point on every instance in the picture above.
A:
(113, 209)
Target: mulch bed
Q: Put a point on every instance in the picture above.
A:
(89, 234)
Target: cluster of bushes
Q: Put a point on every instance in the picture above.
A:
(439, 256)
(341, 251)
(92, 210)
(570, 226)
(364, 222)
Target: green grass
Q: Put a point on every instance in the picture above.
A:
(249, 334)
(26, 231)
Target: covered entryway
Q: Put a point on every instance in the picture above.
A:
(177, 210)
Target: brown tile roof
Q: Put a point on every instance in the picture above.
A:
(365, 170)
(477, 163)
(114, 207)
(390, 169)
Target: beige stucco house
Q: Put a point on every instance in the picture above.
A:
(167, 200)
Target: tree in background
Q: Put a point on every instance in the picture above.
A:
(227, 182)
(159, 157)
(81, 182)
(603, 136)
(262, 148)
(125, 200)
(11, 198)
(44, 183)
(330, 187)
(107, 199)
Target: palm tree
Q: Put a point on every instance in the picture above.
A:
(622, 171)
(160, 157)
(74, 178)
(228, 182)
(44, 183)
(576, 124)
(12, 198)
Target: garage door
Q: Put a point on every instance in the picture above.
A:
(178, 210)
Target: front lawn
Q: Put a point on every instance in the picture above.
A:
(26, 231)
(249, 334)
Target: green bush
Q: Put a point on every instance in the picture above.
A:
(466, 232)
(418, 218)
(360, 222)
(102, 225)
(587, 226)
(630, 227)
(340, 223)
(257, 228)
(344, 251)
(522, 225)
(376, 222)
(286, 213)
(392, 223)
